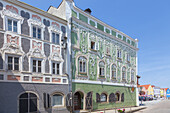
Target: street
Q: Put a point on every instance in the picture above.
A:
(156, 106)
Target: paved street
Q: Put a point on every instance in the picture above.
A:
(158, 106)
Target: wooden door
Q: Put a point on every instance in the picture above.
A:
(77, 101)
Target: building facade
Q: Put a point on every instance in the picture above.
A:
(156, 90)
(168, 93)
(33, 62)
(103, 61)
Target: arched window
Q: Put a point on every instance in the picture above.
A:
(101, 68)
(117, 97)
(57, 100)
(82, 64)
(123, 73)
(103, 97)
(113, 71)
(28, 103)
(132, 75)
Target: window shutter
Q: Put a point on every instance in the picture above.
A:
(89, 101)
(122, 97)
(112, 97)
(97, 97)
(44, 97)
(97, 45)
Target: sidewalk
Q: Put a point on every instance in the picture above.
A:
(127, 110)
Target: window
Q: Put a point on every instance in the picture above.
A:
(101, 68)
(26, 78)
(132, 75)
(57, 100)
(37, 66)
(13, 63)
(123, 73)
(107, 50)
(12, 25)
(55, 38)
(113, 71)
(82, 64)
(128, 58)
(36, 32)
(47, 79)
(1, 77)
(64, 80)
(117, 97)
(92, 45)
(119, 54)
(56, 68)
(28, 103)
(103, 97)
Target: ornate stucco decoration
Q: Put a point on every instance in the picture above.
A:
(55, 27)
(36, 50)
(13, 15)
(36, 20)
(83, 45)
(12, 45)
(56, 54)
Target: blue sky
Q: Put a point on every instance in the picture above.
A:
(146, 20)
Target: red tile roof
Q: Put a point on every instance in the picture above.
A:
(146, 86)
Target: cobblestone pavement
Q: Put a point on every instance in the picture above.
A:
(158, 106)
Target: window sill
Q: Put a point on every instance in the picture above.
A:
(93, 50)
(58, 106)
(119, 58)
(82, 73)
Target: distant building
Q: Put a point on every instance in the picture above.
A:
(147, 89)
(163, 92)
(168, 93)
(156, 90)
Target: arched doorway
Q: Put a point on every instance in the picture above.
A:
(28, 103)
(78, 101)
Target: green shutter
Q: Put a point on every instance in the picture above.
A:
(107, 31)
(128, 41)
(99, 26)
(92, 23)
(83, 18)
(74, 14)
(113, 33)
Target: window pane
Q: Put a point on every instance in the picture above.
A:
(57, 99)
(53, 37)
(26, 78)
(23, 106)
(10, 60)
(57, 39)
(103, 98)
(39, 33)
(58, 69)
(39, 66)
(92, 45)
(33, 105)
(34, 65)
(9, 25)
(16, 63)
(14, 26)
(84, 66)
(53, 68)
(34, 32)
(81, 66)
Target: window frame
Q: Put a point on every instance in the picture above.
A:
(37, 28)
(83, 60)
(13, 62)
(63, 98)
(105, 97)
(52, 69)
(118, 99)
(124, 72)
(119, 54)
(114, 70)
(56, 33)
(101, 68)
(37, 60)
(132, 71)
(128, 58)
(12, 19)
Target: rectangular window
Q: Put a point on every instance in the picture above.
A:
(119, 54)
(47, 79)
(128, 58)
(36, 66)
(1, 77)
(36, 32)
(55, 38)
(12, 25)
(92, 45)
(26, 78)
(13, 63)
(101, 71)
(107, 50)
(56, 68)
(64, 80)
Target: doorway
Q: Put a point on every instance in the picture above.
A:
(78, 101)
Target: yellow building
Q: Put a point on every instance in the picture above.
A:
(149, 90)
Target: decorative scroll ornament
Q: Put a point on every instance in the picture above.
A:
(13, 15)
(36, 50)
(12, 45)
(55, 55)
(36, 22)
(54, 27)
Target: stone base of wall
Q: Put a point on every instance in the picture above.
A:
(10, 92)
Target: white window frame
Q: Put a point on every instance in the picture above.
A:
(114, 72)
(132, 73)
(102, 68)
(62, 100)
(59, 39)
(56, 68)
(12, 19)
(37, 27)
(83, 60)
(124, 73)
(119, 54)
(37, 65)
(128, 57)
(13, 64)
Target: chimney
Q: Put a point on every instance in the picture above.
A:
(88, 11)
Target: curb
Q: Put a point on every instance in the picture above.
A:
(132, 111)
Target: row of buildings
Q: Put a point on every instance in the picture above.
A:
(154, 91)
(61, 59)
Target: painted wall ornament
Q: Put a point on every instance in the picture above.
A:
(55, 55)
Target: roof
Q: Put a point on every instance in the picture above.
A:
(146, 86)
